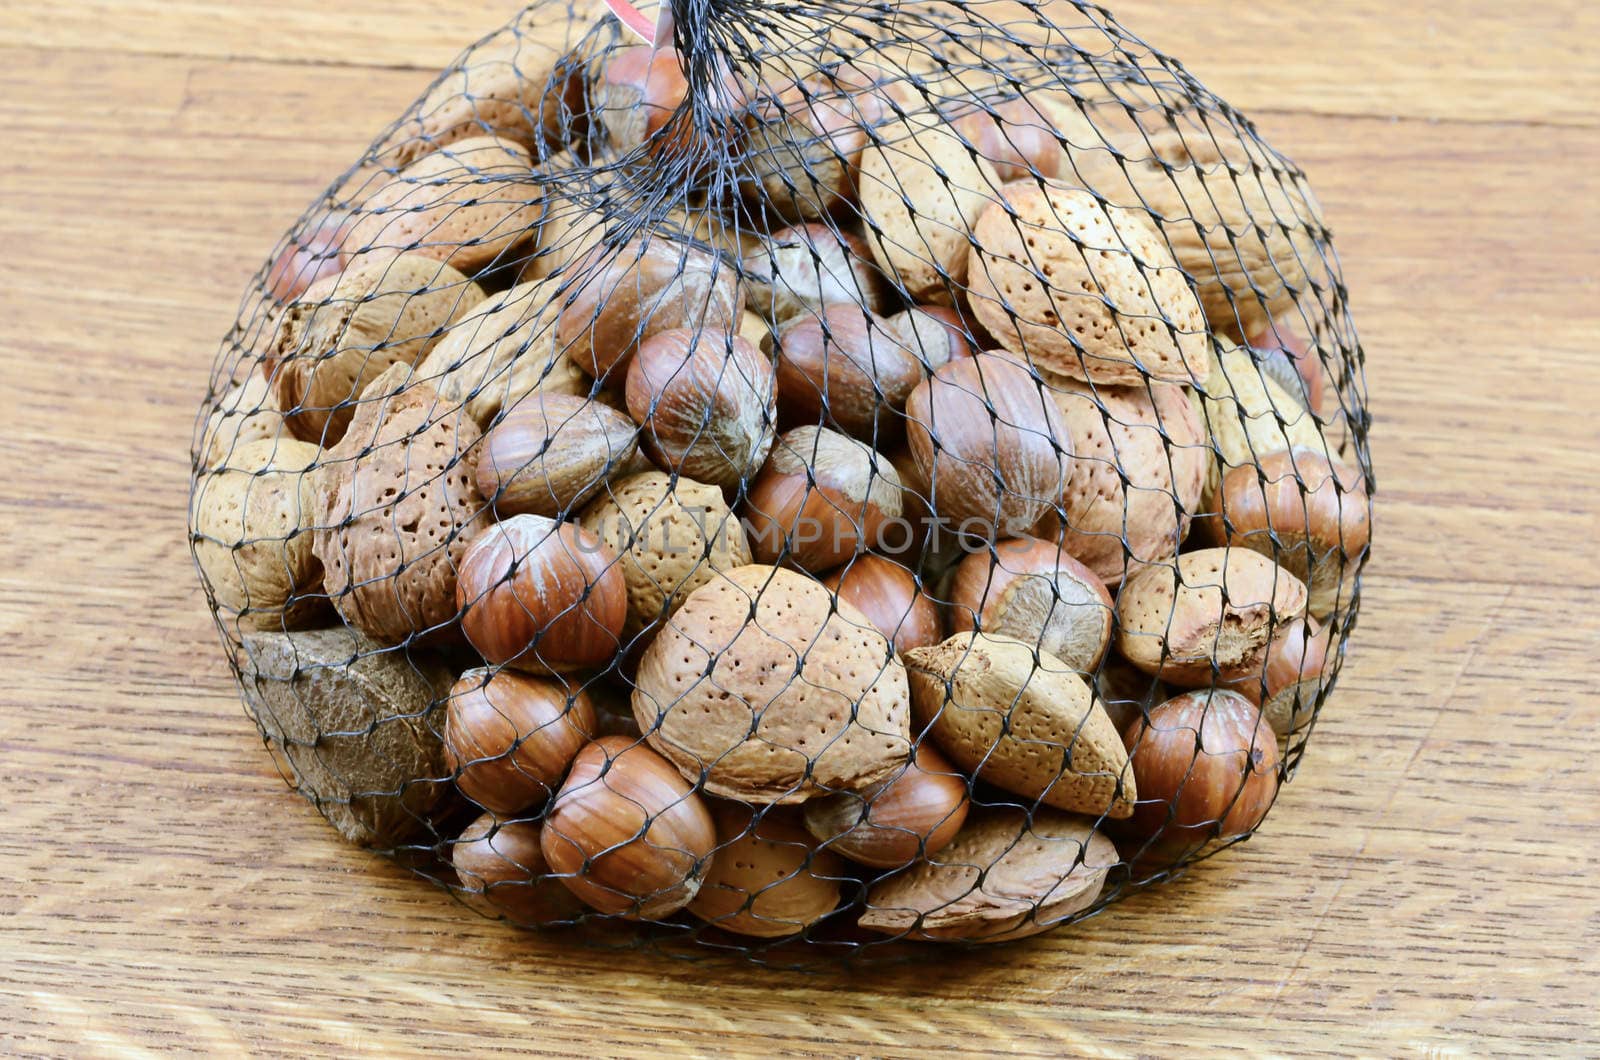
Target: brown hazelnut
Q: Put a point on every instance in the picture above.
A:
(911, 816)
(1305, 512)
(991, 444)
(843, 365)
(1033, 591)
(1297, 667)
(805, 268)
(888, 594)
(503, 873)
(705, 403)
(1015, 137)
(768, 879)
(509, 737)
(626, 833)
(1293, 365)
(806, 141)
(312, 254)
(542, 596)
(934, 334)
(550, 453)
(820, 499)
(643, 100)
(622, 296)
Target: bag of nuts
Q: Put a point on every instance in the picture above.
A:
(794, 476)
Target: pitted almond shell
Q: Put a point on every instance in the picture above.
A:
(1023, 720)
(1084, 290)
(467, 204)
(768, 879)
(500, 352)
(1140, 458)
(921, 191)
(347, 330)
(252, 522)
(245, 413)
(1249, 415)
(1008, 874)
(1208, 617)
(673, 536)
(762, 687)
(395, 499)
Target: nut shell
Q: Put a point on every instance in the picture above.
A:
(508, 737)
(626, 833)
(764, 688)
(542, 596)
(503, 873)
(252, 523)
(1138, 471)
(922, 191)
(990, 442)
(913, 815)
(821, 499)
(805, 268)
(500, 352)
(1021, 720)
(1032, 591)
(705, 403)
(245, 413)
(1008, 874)
(1308, 514)
(674, 535)
(889, 595)
(620, 296)
(844, 366)
(1085, 290)
(768, 879)
(345, 331)
(354, 726)
(551, 453)
(395, 501)
(1249, 415)
(1209, 617)
(469, 204)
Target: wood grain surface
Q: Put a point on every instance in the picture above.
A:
(1426, 884)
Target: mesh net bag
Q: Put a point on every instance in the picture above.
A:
(825, 476)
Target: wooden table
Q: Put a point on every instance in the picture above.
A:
(1427, 883)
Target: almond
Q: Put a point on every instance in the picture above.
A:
(1008, 874)
(1023, 720)
(763, 688)
(1085, 290)
(1207, 618)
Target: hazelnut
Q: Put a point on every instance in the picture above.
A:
(622, 296)
(1297, 668)
(921, 191)
(644, 100)
(674, 535)
(1033, 591)
(1206, 618)
(888, 594)
(395, 499)
(503, 873)
(1307, 513)
(990, 443)
(469, 204)
(1008, 874)
(550, 453)
(1250, 415)
(844, 365)
(803, 269)
(626, 833)
(763, 687)
(1085, 290)
(508, 737)
(1293, 365)
(934, 334)
(911, 816)
(805, 145)
(705, 404)
(542, 596)
(1207, 767)
(313, 252)
(1015, 137)
(1020, 719)
(252, 523)
(820, 499)
(347, 330)
(768, 879)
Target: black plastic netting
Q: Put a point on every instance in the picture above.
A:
(852, 473)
